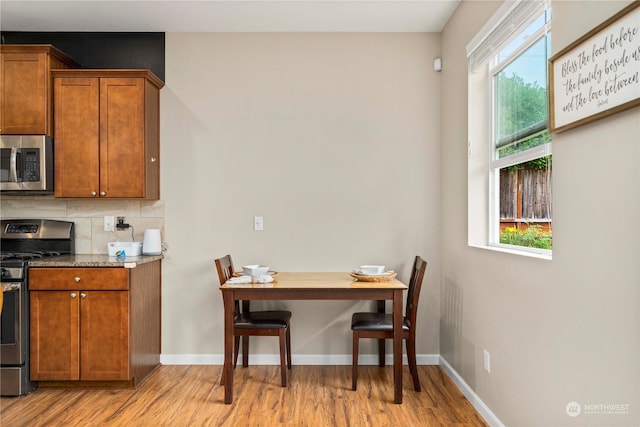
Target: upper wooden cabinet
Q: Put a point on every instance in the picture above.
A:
(26, 89)
(107, 133)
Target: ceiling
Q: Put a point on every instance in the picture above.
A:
(226, 15)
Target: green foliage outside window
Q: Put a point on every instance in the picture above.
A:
(521, 104)
(533, 237)
(524, 105)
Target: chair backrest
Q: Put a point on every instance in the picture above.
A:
(225, 269)
(224, 266)
(413, 293)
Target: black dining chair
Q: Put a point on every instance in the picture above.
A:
(380, 325)
(257, 323)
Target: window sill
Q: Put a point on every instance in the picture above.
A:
(508, 250)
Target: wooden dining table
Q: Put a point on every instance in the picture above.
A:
(314, 286)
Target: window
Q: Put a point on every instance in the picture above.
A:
(509, 141)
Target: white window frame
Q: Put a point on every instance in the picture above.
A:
(484, 216)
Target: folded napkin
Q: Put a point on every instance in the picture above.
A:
(239, 279)
(264, 278)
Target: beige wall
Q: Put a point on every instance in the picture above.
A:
(558, 331)
(332, 138)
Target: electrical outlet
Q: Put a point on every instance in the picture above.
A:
(487, 361)
(108, 223)
(258, 223)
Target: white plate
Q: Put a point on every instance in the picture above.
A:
(384, 273)
(241, 273)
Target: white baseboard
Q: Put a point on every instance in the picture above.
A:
(296, 359)
(192, 359)
(471, 396)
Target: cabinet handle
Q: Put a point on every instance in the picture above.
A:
(102, 194)
(83, 295)
(73, 295)
(94, 194)
(76, 279)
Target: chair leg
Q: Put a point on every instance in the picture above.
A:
(283, 368)
(245, 351)
(381, 352)
(413, 367)
(289, 347)
(354, 363)
(236, 350)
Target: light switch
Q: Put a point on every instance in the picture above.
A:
(258, 223)
(108, 223)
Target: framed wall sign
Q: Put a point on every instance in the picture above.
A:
(597, 75)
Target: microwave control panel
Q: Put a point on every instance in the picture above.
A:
(31, 164)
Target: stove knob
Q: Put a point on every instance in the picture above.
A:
(4, 273)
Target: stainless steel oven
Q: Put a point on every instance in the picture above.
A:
(22, 240)
(14, 335)
(26, 164)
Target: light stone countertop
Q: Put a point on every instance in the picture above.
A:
(97, 260)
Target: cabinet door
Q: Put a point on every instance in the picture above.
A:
(54, 335)
(23, 94)
(77, 130)
(122, 137)
(104, 334)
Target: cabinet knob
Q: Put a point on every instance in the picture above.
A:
(73, 295)
(83, 295)
(94, 194)
(102, 194)
(153, 160)
(76, 279)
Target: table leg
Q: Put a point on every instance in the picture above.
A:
(227, 370)
(381, 309)
(397, 345)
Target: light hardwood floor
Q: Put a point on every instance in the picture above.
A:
(193, 396)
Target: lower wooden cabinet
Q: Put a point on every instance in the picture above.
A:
(80, 335)
(95, 324)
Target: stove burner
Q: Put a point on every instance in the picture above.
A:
(26, 256)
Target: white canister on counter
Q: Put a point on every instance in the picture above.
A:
(152, 244)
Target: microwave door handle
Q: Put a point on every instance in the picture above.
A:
(13, 170)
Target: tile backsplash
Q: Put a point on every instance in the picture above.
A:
(88, 216)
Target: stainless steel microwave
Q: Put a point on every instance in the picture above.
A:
(26, 164)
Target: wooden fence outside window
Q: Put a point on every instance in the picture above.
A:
(525, 198)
